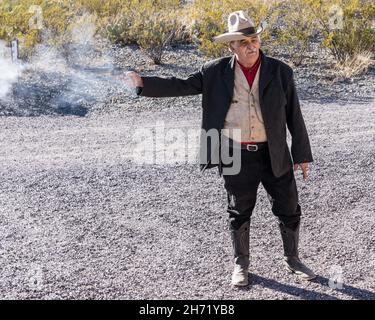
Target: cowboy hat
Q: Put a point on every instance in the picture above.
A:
(240, 27)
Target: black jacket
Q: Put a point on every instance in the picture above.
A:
(278, 101)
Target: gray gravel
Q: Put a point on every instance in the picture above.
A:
(80, 219)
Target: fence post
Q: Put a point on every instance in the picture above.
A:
(14, 50)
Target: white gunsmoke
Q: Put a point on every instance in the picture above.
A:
(9, 72)
(67, 79)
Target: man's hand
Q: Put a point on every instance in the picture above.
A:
(132, 79)
(304, 167)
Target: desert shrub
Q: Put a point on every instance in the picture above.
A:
(150, 24)
(118, 29)
(154, 32)
(29, 21)
(354, 65)
(103, 9)
(295, 29)
(346, 26)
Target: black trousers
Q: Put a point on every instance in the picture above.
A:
(242, 190)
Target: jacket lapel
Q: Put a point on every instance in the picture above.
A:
(228, 76)
(267, 72)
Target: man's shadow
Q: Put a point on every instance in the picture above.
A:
(307, 294)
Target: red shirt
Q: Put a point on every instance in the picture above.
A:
(250, 73)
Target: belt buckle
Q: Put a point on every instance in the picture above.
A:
(254, 146)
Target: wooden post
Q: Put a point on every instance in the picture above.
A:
(14, 50)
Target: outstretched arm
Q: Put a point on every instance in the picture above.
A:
(166, 87)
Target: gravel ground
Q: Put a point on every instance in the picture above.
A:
(80, 218)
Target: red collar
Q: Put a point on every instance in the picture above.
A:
(254, 66)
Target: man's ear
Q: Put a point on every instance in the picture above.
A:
(231, 47)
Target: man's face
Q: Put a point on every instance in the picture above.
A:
(246, 50)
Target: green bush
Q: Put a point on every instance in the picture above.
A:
(344, 26)
(341, 26)
(291, 24)
(22, 19)
(103, 9)
(154, 32)
(296, 29)
(118, 28)
(150, 24)
(356, 35)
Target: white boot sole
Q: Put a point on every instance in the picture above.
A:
(301, 275)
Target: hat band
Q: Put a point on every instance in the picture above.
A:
(249, 30)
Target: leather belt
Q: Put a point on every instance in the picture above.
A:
(252, 147)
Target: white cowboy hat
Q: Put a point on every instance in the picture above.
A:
(240, 27)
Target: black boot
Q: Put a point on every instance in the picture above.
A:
(290, 237)
(240, 241)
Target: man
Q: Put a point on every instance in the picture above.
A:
(256, 94)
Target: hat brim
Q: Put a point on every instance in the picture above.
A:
(233, 36)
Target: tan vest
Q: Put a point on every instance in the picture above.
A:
(244, 112)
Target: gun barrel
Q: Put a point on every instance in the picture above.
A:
(104, 70)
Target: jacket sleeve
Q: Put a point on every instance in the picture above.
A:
(172, 86)
(301, 150)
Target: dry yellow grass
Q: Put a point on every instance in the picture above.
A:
(355, 65)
